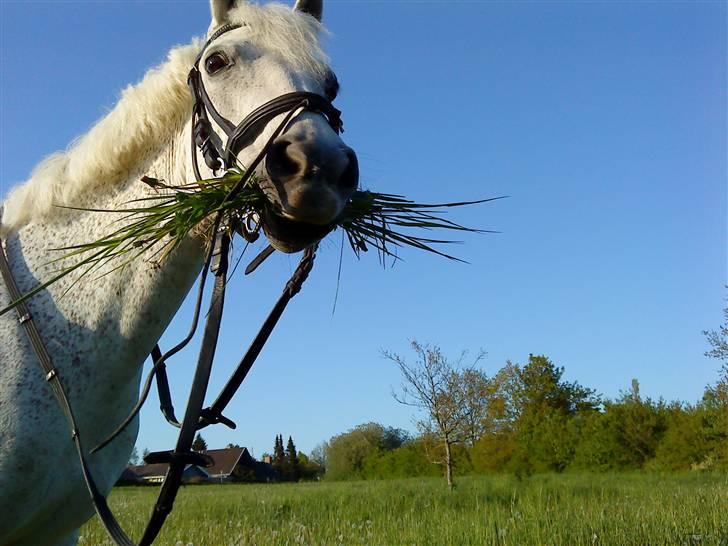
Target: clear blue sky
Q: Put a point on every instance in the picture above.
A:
(605, 123)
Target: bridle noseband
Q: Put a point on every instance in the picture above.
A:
(243, 134)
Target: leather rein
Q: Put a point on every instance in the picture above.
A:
(195, 417)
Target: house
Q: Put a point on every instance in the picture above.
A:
(235, 464)
(232, 464)
(128, 477)
(155, 473)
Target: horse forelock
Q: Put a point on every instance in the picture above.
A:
(149, 114)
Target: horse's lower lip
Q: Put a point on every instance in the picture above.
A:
(306, 221)
(289, 235)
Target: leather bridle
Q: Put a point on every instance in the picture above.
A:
(238, 137)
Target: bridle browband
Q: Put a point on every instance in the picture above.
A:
(202, 138)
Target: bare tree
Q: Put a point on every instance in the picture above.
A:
(453, 400)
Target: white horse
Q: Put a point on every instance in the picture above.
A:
(100, 333)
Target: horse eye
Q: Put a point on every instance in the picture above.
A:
(216, 62)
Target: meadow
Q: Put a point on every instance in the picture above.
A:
(619, 509)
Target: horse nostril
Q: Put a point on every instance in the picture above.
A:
(279, 163)
(349, 179)
(292, 162)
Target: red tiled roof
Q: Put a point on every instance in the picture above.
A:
(225, 459)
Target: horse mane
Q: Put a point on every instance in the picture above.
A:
(149, 114)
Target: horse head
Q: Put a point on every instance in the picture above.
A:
(249, 75)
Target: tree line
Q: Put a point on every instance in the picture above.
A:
(536, 421)
(290, 464)
(527, 419)
(524, 419)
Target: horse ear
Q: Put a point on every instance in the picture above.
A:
(312, 7)
(220, 9)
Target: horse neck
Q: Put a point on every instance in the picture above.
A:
(128, 307)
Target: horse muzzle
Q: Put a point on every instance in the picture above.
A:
(310, 178)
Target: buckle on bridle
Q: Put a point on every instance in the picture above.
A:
(209, 416)
(249, 226)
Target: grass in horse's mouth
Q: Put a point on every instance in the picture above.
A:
(161, 222)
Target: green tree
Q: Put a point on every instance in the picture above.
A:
(308, 468)
(640, 424)
(496, 445)
(547, 413)
(199, 444)
(347, 453)
(685, 444)
(714, 414)
(475, 396)
(134, 457)
(625, 436)
(598, 446)
(279, 456)
(407, 461)
(292, 471)
(493, 452)
(715, 399)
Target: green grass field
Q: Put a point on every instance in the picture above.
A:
(639, 509)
